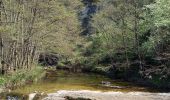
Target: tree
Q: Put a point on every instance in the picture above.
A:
(30, 27)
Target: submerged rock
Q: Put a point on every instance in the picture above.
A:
(108, 84)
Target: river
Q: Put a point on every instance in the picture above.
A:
(58, 84)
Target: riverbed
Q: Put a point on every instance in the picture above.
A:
(58, 84)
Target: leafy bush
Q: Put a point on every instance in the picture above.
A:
(22, 76)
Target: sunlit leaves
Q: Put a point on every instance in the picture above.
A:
(160, 12)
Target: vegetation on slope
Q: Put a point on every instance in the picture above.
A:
(125, 39)
(130, 41)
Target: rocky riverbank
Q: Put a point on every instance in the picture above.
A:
(97, 95)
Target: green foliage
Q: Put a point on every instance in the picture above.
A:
(22, 76)
(127, 33)
(111, 33)
(29, 28)
(2, 80)
(63, 28)
(160, 12)
(124, 32)
(157, 20)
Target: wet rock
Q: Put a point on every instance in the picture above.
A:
(71, 98)
(109, 85)
(31, 96)
(37, 96)
(105, 83)
(97, 95)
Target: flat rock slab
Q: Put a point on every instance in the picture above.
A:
(97, 95)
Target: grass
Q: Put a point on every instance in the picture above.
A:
(21, 77)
